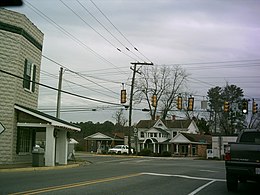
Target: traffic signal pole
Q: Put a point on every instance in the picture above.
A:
(131, 100)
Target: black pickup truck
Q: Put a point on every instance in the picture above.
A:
(242, 159)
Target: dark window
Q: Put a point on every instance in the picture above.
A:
(250, 137)
(24, 140)
(29, 76)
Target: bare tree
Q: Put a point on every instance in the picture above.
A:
(120, 118)
(254, 122)
(164, 82)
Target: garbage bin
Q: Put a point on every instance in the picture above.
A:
(38, 157)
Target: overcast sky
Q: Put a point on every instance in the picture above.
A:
(216, 41)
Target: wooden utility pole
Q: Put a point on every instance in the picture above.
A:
(59, 93)
(131, 99)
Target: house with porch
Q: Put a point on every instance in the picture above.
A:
(101, 142)
(175, 136)
(23, 125)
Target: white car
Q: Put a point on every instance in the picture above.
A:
(120, 149)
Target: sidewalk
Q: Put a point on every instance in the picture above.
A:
(29, 167)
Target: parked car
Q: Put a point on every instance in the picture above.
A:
(242, 159)
(120, 149)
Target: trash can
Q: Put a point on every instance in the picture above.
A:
(38, 157)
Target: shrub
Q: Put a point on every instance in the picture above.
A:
(145, 152)
(166, 154)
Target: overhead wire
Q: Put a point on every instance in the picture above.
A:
(135, 48)
(95, 18)
(65, 92)
(85, 22)
(40, 13)
(80, 75)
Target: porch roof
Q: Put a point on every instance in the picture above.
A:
(51, 120)
(103, 136)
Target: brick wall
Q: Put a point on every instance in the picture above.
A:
(14, 49)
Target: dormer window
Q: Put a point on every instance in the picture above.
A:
(29, 76)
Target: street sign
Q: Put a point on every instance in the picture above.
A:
(2, 128)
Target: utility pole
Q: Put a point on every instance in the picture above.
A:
(59, 93)
(131, 99)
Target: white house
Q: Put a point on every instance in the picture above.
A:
(175, 136)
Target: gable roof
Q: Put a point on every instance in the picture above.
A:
(198, 138)
(48, 118)
(103, 136)
(182, 124)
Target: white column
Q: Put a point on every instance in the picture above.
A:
(167, 147)
(50, 147)
(154, 147)
(62, 147)
(177, 148)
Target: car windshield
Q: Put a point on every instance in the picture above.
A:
(118, 147)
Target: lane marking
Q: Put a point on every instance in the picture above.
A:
(210, 171)
(185, 176)
(201, 187)
(84, 183)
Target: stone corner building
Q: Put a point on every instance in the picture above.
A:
(21, 45)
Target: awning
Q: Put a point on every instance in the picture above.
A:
(50, 120)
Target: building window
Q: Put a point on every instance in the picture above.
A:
(155, 134)
(24, 141)
(29, 76)
(142, 134)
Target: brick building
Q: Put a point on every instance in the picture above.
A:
(21, 45)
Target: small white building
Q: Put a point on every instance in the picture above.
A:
(219, 143)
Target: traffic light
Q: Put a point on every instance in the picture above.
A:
(154, 100)
(123, 96)
(179, 102)
(255, 107)
(245, 106)
(190, 104)
(226, 106)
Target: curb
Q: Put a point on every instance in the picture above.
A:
(39, 168)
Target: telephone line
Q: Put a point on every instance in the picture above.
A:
(118, 30)
(84, 21)
(66, 92)
(40, 13)
(84, 7)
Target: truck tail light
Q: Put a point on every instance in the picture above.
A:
(227, 153)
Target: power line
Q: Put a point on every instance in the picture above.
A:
(64, 31)
(66, 92)
(85, 22)
(68, 69)
(80, 75)
(118, 30)
(84, 7)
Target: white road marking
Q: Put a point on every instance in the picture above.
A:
(201, 187)
(185, 176)
(211, 180)
(210, 171)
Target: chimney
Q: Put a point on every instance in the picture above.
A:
(173, 117)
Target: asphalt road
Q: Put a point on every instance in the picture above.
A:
(126, 175)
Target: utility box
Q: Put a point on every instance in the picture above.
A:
(38, 157)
